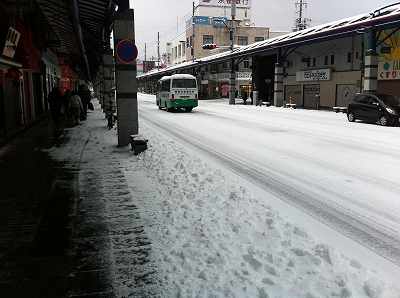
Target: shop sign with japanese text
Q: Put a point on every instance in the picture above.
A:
(389, 70)
(239, 3)
(204, 20)
(313, 75)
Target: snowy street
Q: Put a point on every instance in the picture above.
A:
(245, 201)
(344, 174)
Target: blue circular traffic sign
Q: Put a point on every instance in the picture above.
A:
(127, 51)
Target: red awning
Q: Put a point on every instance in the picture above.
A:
(27, 52)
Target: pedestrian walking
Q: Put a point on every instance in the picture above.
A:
(76, 106)
(65, 101)
(244, 96)
(85, 98)
(54, 99)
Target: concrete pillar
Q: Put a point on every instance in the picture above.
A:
(99, 86)
(125, 76)
(108, 81)
(371, 71)
(232, 83)
(278, 85)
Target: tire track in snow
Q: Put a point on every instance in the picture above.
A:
(354, 226)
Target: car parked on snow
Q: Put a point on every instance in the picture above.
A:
(380, 108)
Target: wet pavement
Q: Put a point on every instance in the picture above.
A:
(34, 224)
(56, 239)
(41, 255)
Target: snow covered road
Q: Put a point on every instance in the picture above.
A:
(345, 175)
(239, 201)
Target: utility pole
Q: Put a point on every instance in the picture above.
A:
(144, 67)
(158, 50)
(144, 62)
(232, 81)
(192, 43)
(193, 33)
(301, 23)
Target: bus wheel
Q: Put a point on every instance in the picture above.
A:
(188, 109)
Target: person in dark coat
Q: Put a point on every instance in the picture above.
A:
(55, 101)
(65, 102)
(85, 97)
(244, 96)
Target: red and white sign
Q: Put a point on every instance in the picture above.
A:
(389, 70)
(65, 85)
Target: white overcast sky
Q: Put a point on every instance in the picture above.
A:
(168, 16)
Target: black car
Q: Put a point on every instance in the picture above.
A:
(380, 108)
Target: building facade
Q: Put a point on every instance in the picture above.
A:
(317, 67)
(24, 79)
(211, 25)
(327, 74)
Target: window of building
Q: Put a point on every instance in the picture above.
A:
(349, 57)
(332, 59)
(224, 65)
(242, 40)
(357, 55)
(208, 39)
(314, 61)
(213, 67)
(246, 64)
(257, 38)
(326, 60)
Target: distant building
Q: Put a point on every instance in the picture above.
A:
(212, 20)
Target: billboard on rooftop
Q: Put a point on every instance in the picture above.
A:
(239, 3)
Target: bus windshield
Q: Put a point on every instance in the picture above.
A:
(183, 83)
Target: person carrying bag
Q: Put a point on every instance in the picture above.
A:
(76, 106)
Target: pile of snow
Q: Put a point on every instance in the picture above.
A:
(210, 236)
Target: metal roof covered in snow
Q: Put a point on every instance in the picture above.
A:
(385, 17)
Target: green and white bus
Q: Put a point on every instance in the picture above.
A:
(178, 91)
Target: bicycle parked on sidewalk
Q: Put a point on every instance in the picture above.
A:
(111, 116)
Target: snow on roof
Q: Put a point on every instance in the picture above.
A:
(382, 17)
